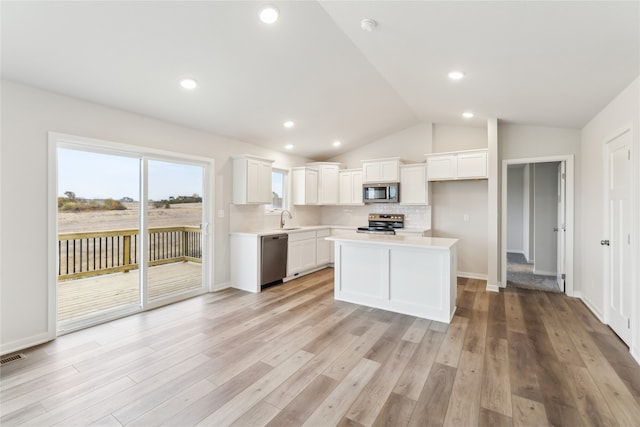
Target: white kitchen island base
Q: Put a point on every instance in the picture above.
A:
(404, 274)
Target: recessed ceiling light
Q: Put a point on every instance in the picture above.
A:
(288, 146)
(337, 143)
(269, 14)
(288, 124)
(467, 114)
(456, 75)
(188, 83)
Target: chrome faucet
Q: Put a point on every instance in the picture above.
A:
(282, 217)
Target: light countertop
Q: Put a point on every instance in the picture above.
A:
(298, 229)
(390, 240)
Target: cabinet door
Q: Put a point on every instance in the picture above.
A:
(413, 185)
(356, 189)
(389, 171)
(307, 251)
(323, 249)
(472, 165)
(371, 172)
(294, 259)
(253, 181)
(329, 185)
(311, 187)
(264, 183)
(441, 167)
(346, 187)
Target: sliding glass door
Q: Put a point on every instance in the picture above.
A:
(131, 233)
(174, 229)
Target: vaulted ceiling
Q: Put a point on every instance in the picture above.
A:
(538, 63)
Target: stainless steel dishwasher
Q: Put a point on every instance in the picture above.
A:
(273, 267)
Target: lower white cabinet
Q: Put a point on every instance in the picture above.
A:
(301, 252)
(323, 248)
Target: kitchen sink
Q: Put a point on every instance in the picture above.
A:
(289, 228)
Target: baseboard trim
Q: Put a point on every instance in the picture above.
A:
(23, 343)
(472, 275)
(545, 273)
(220, 286)
(635, 353)
(591, 307)
(493, 287)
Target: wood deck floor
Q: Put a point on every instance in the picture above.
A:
(81, 297)
(293, 356)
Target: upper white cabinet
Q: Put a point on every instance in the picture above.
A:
(305, 186)
(251, 180)
(328, 183)
(414, 189)
(470, 164)
(381, 170)
(350, 187)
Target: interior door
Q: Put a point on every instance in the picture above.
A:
(618, 242)
(561, 224)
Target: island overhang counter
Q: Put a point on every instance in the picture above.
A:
(405, 274)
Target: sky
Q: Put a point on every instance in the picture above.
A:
(102, 176)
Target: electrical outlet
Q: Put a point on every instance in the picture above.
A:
(466, 217)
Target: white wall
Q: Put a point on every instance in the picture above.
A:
(27, 115)
(410, 144)
(515, 209)
(545, 217)
(624, 110)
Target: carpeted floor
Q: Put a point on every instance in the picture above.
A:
(520, 275)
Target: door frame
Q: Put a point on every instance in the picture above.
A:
(60, 140)
(633, 231)
(569, 215)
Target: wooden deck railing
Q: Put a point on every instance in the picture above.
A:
(103, 252)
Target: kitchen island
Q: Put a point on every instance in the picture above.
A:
(405, 274)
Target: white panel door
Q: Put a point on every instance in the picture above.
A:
(619, 271)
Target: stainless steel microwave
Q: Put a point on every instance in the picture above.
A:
(381, 193)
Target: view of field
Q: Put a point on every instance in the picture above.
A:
(183, 214)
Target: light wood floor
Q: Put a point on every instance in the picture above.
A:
(294, 356)
(81, 297)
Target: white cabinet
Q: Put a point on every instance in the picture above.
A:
(305, 186)
(381, 170)
(350, 187)
(470, 164)
(301, 252)
(251, 180)
(328, 186)
(323, 248)
(413, 185)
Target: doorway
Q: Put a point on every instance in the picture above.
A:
(131, 230)
(537, 226)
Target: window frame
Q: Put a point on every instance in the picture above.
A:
(286, 204)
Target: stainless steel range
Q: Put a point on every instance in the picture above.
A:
(383, 223)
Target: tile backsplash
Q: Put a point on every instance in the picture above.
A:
(250, 218)
(414, 216)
